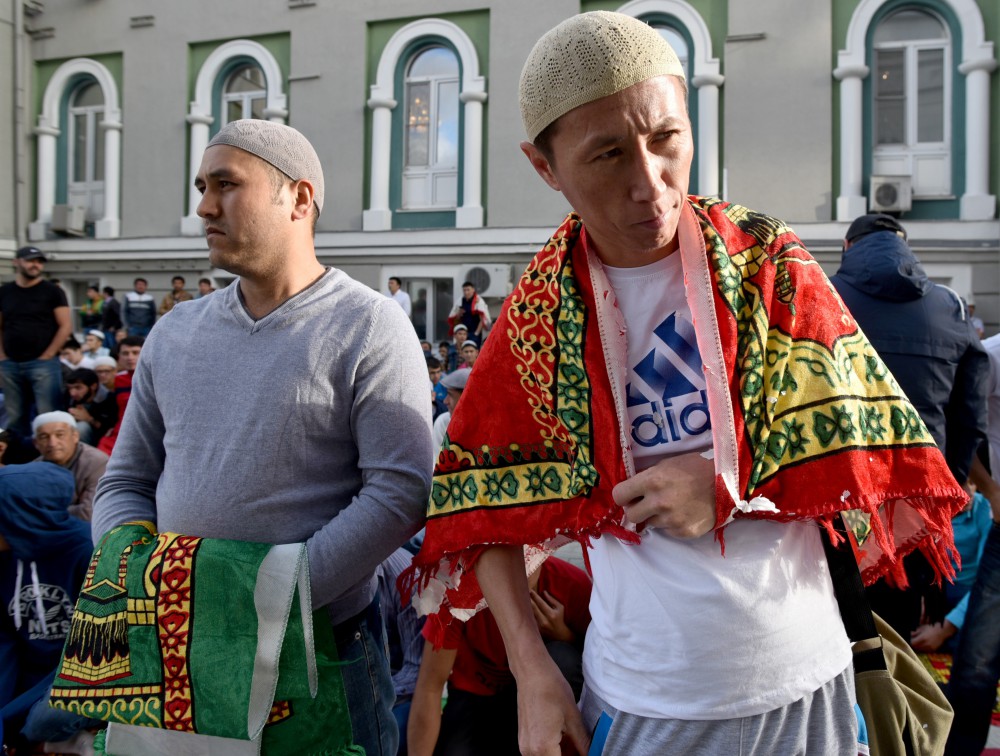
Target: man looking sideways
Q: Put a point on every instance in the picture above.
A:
(295, 351)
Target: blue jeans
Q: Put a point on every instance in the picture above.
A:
(47, 724)
(361, 645)
(972, 688)
(139, 330)
(23, 382)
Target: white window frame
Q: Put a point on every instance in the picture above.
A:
(433, 171)
(90, 192)
(977, 62)
(246, 99)
(108, 226)
(914, 158)
(200, 114)
(384, 98)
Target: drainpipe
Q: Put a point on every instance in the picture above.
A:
(18, 112)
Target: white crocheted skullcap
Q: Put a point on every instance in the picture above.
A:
(281, 146)
(52, 417)
(587, 57)
(105, 361)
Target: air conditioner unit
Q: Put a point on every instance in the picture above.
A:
(890, 194)
(490, 280)
(69, 219)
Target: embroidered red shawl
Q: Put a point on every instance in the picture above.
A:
(807, 421)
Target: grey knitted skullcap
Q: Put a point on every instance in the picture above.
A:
(281, 146)
(588, 57)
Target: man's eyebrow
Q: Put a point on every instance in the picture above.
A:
(218, 173)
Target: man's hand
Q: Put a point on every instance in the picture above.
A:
(676, 494)
(547, 714)
(551, 617)
(929, 638)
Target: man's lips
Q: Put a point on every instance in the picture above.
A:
(213, 231)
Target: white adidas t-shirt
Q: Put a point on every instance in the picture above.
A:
(678, 630)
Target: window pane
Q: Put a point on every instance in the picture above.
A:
(890, 101)
(80, 147)
(434, 61)
(246, 79)
(87, 95)
(907, 26)
(447, 125)
(930, 96)
(257, 105)
(234, 110)
(418, 120)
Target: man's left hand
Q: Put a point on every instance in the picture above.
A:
(676, 494)
(550, 615)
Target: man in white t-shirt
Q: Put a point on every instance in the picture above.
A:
(674, 384)
(688, 651)
(401, 297)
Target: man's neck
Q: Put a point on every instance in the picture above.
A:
(263, 296)
(26, 283)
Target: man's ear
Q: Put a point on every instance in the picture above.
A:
(541, 164)
(303, 193)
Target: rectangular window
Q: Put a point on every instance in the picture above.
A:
(80, 147)
(447, 125)
(930, 96)
(890, 97)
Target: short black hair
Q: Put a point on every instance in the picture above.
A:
(109, 290)
(205, 280)
(178, 278)
(444, 344)
(132, 341)
(140, 278)
(397, 279)
(468, 283)
(72, 343)
(433, 363)
(85, 376)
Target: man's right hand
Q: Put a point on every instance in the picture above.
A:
(547, 714)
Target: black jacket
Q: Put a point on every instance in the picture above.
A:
(922, 332)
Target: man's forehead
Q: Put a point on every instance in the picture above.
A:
(50, 429)
(223, 159)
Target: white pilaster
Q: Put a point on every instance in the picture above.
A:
(109, 226)
(851, 203)
(470, 214)
(708, 132)
(378, 216)
(977, 203)
(191, 223)
(45, 136)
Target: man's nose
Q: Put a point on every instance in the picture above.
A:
(647, 184)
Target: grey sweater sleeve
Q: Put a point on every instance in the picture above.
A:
(127, 491)
(391, 424)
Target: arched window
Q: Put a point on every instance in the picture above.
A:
(676, 41)
(911, 96)
(85, 145)
(430, 173)
(244, 94)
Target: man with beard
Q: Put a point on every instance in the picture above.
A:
(34, 325)
(295, 351)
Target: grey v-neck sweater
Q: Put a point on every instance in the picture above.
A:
(311, 424)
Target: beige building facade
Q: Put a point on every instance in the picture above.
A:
(813, 112)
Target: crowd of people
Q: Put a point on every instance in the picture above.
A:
(674, 385)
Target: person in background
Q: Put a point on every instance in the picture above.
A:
(205, 288)
(139, 310)
(111, 318)
(93, 345)
(397, 294)
(58, 442)
(92, 310)
(106, 369)
(35, 324)
(472, 312)
(128, 359)
(91, 404)
(175, 295)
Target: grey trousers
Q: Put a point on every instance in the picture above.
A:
(821, 724)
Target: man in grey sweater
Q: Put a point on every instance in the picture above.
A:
(299, 414)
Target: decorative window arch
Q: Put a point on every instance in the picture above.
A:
(384, 98)
(203, 113)
(705, 79)
(64, 81)
(975, 61)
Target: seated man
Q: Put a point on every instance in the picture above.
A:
(44, 555)
(106, 369)
(93, 345)
(470, 351)
(58, 442)
(91, 404)
(454, 385)
(480, 716)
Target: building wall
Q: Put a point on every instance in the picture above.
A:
(779, 137)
